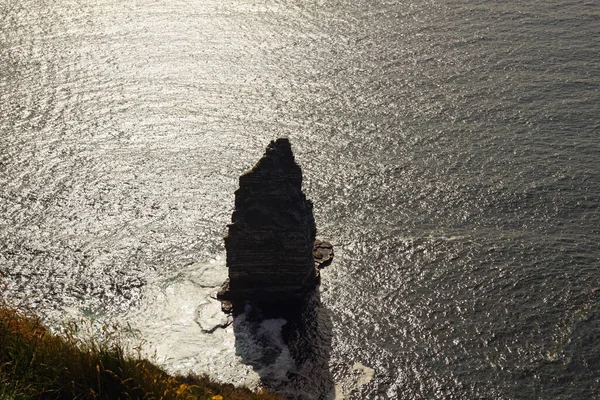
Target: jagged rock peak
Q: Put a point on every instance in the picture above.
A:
(277, 155)
(270, 194)
(276, 167)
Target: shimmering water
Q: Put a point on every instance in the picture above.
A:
(451, 149)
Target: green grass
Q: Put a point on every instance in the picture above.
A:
(36, 364)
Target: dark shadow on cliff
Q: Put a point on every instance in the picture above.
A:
(290, 350)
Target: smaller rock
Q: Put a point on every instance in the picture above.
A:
(322, 253)
(227, 306)
(223, 295)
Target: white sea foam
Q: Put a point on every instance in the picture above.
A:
(184, 330)
(183, 327)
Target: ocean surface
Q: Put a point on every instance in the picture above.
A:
(451, 149)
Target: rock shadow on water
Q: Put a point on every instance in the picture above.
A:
(289, 350)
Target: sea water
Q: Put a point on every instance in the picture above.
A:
(451, 150)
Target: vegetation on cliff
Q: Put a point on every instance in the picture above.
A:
(35, 363)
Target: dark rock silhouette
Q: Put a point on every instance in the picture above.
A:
(273, 285)
(270, 244)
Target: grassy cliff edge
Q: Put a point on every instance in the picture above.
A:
(35, 363)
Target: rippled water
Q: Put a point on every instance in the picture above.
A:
(451, 150)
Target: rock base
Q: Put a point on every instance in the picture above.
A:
(274, 300)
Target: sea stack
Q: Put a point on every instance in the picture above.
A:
(271, 236)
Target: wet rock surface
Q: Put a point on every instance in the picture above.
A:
(322, 253)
